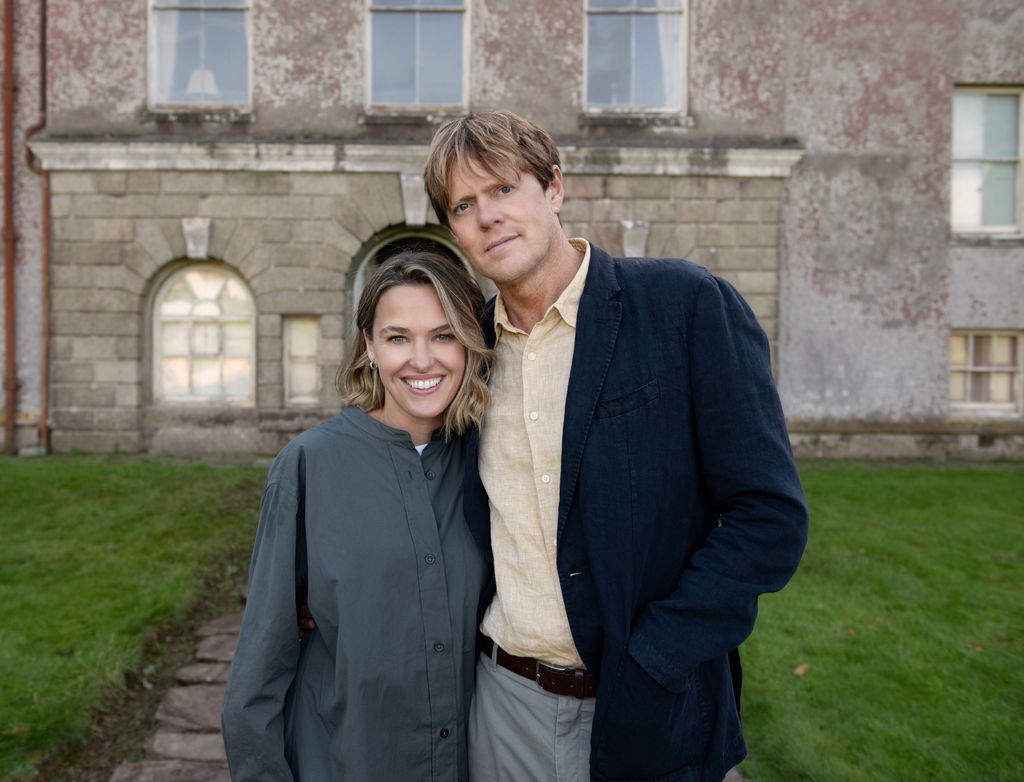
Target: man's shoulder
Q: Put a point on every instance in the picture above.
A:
(674, 277)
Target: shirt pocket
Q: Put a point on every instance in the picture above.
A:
(620, 404)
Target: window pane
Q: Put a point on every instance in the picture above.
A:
(303, 379)
(394, 58)
(202, 57)
(236, 377)
(999, 197)
(1001, 387)
(206, 377)
(440, 3)
(302, 337)
(175, 339)
(958, 350)
(440, 59)
(979, 387)
(178, 300)
(966, 200)
(205, 339)
(968, 124)
(174, 376)
(177, 53)
(608, 65)
(237, 339)
(226, 58)
(206, 309)
(391, 3)
(235, 301)
(981, 350)
(1004, 351)
(1001, 126)
(657, 55)
(611, 4)
(206, 284)
(957, 386)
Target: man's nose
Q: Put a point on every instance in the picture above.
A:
(488, 213)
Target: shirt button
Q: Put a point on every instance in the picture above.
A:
(439, 647)
(531, 356)
(534, 415)
(545, 479)
(431, 475)
(429, 559)
(444, 733)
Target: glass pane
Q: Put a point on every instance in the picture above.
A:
(958, 350)
(174, 376)
(957, 386)
(206, 284)
(597, 5)
(968, 124)
(440, 58)
(302, 379)
(178, 300)
(206, 377)
(174, 339)
(391, 3)
(205, 339)
(657, 58)
(966, 200)
(238, 3)
(981, 349)
(979, 387)
(237, 377)
(999, 196)
(235, 301)
(206, 309)
(1004, 351)
(177, 53)
(237, 339)
(608, 65)
(1001, 126)
(302, 337)
(394, 58)
(1000, 387)
(225, 59)
(441, 4)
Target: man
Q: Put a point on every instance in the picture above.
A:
(633, 481)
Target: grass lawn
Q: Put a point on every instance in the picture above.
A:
(98, 557)
(896, 651)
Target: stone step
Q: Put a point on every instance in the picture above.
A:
(225, 625)
(192, 708)
(217, 648)
(171, 771)
(203, 747)
(203, 673)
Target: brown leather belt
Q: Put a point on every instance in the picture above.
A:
(573, 682)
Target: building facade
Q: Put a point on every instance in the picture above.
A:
(218, 178)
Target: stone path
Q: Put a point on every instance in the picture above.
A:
(188, 746)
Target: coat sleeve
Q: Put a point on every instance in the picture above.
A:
(268, 646)
(752, 483)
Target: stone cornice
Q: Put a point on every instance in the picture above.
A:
(135, 155)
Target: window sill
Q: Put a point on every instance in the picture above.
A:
(982, 239)
(635, 119)
(418, 115)
(191, 115)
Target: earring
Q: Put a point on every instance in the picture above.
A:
(373, 365)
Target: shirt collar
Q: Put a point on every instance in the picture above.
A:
(567, 305)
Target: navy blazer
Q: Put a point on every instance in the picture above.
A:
(679, 505)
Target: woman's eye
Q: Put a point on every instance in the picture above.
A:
(445, 338)
(396, 338)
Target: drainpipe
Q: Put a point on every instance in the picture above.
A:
(33, 163)
(10, 367)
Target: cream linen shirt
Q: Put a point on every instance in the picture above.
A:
(520, 466)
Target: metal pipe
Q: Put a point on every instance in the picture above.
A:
(33, 163)
(10, 365)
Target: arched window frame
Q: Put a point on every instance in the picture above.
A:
(241, 395)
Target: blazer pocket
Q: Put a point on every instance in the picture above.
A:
(624, 403)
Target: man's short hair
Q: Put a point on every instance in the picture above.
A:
(502, 143)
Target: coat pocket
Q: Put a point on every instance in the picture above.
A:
(620, 404)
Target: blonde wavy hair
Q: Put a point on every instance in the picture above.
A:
(463, 305)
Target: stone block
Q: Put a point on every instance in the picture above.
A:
(757, 235)
(175, 236)
(233, 206)
(67, 395)
(767, 211)
(715, 235)
(276, 231)
(82, 300)
(332, 326)
(198, 182)
(220, 235)
(192, 708)
(702, 211)
(688, 187)
(760, 188)
(203, 673)
(577, 210)
(667, 240)
(259, 182)
(177, 206)
(268, 325)
(585, 186)
(353, 220)
(92, 348)
(737, 212)
(758, 282)
(763, 305)
(303, 279)
(143, 182)
(99, 324)
(309, 231)
(171, 771)
(656, 210)
(70, 229)
(72, 182)
(96, 205)
(205, 747)
(74, 418)
(60, 348)
(243, 240)
(114, 182)
(72, 372)
(89, 254)
(269, 372)
(117, 371)
(379, 197)
(64, 440)
(291, 301)
(341, 238)
(60, 205)
(150, 237)
(320, 184)
(270, 396)
(114, 418)
(269, 349)
(741, 258)
(609, 210)
(140, 262)
(639, 187)
(128, 348)
(114, 229)
(721, 187)
(126, 394)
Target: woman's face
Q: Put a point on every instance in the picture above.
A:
(419, 361)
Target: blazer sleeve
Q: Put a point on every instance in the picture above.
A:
(268, 646)
(752, 483)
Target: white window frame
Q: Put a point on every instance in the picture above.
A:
(301, 401)
(151, 59)
(989, 409)
(417, 108)
(156, 344)
(994, 230)
(682, 64)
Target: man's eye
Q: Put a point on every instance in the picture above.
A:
(505, 189)
(461, 209)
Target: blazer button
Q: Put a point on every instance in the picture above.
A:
(444, 733)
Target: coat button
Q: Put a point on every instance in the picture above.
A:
(439, 647)
(429, 559)
(444, 733)
(431, 475)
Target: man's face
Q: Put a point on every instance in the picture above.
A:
(508, 226)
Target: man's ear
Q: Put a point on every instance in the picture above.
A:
(555, 192)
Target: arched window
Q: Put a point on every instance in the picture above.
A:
(203, 338)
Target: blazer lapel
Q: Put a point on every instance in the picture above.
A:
(597, 325)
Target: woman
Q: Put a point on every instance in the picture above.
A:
(362, 518)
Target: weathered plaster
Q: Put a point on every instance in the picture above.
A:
(987, 289)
